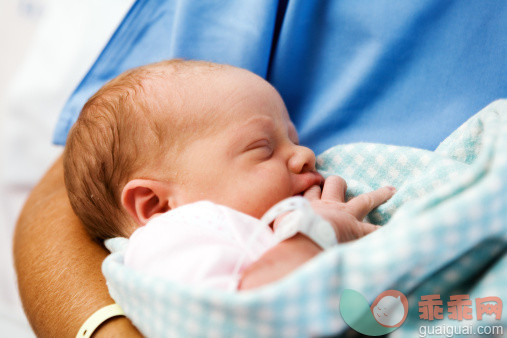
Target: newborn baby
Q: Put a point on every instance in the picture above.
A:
(185, 157)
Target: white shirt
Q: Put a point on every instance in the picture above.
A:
(200, 244)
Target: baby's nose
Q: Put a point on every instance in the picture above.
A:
(302, 160)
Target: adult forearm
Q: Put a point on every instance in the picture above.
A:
(279, 261)
(57, 264)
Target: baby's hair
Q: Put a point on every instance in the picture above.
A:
(103, 147)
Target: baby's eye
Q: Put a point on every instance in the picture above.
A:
(262, 148)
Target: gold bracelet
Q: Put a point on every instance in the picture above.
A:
(97, 318)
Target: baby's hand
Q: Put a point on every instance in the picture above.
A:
(346, 217)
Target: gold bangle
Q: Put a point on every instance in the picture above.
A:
(97, 318)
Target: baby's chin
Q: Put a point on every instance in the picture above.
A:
(262, 210)
(257, 210)
(282, 199)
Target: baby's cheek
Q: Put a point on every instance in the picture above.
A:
(262, 189)
(277, 192)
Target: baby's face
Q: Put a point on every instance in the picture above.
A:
(250, 158)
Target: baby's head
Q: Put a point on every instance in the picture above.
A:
(176, 132)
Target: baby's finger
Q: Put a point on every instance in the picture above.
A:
(313, 193)
(361, 205)
(334, 189)
(367, 228)
(360, 229)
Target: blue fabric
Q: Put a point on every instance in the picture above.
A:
(395, 72)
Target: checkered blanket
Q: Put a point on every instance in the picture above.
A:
(444, 233)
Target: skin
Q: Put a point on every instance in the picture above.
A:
(58, 266)
(329, 202)
(254, 162)
(249, 158)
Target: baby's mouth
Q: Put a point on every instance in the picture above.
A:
(315, 180)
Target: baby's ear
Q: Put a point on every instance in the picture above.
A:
(144, 199)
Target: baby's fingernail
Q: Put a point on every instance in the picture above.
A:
(393, 189)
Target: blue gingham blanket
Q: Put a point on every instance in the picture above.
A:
(445, 233)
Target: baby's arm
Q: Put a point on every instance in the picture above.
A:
(279, 261)
(346, 219)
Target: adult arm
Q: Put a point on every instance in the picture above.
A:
(59, 266)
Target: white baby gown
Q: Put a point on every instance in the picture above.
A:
(200, 244)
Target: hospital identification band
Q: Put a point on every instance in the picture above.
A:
(97, 318)
(302, 219)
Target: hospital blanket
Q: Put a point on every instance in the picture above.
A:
(444, 233)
